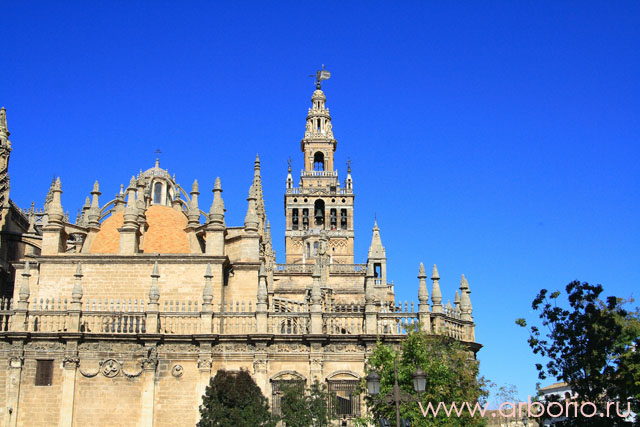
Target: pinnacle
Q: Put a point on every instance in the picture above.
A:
(194, 187)
(78, 272)
(217, 185)
(207, 272)
(132, 182)
(27, 269)
(263, 271)
(421, 273)
(457, 300)
(58, 183)
(434, 273)
(96, 187)
(464, 285)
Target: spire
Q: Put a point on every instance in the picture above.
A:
(423, 293)
(257, 186)
(251, 219)
(4, 130)
(216, 212)
(465, 301)
(289, 177)
(436, 295)
(456, 301)
(348, 182)
(56, 214)
(376, 250)
(76, 294)
(131, 193)
(194, 210)
(154, 291)
(93, 214)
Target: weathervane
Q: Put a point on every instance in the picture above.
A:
(320, 76)
(348, 165)
(289, 162)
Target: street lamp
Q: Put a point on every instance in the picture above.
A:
(419, 381)
(373, 383)
(419, 385)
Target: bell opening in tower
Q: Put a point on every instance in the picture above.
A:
(318, 209)
(318, 161)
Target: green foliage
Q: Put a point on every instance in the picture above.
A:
(591, 345)
(452, 376)
(234, 399)
(302, 407)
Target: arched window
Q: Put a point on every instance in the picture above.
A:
(318, 212)
(157, 193)
(318, 161)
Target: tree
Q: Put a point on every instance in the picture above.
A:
(302, 407)
(452, 376)
(591, 345)
(232, 398)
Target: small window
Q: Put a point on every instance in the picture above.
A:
(44, 372)
(347, 400)
(157, 193)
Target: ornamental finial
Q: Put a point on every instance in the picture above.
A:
(320, 76)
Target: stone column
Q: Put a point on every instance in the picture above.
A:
(70, 366)
(424, 315)
(149, 365)
(204, 373)
(206, 313)
(316, 362)
(260, 367)
(16, 361)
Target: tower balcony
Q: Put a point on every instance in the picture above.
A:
(316, 174)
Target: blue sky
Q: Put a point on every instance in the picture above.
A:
(495, 139)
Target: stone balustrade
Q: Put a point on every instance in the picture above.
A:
(185, 317)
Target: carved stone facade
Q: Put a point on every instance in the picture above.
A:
(142, 299)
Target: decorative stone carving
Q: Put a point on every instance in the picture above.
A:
(109, 347)
(260, 364)
(344, 348)
(44, 346)
(16, 361)
(151, 361)
(288, 348)
(178, 348)
(177, 371)
(205, 363)
(233, 348)
(70, 362)
(110, 368)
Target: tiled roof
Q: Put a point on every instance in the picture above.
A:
(165, 233)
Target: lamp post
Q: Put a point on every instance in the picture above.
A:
(419, 385)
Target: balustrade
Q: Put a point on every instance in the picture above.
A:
(113, 316)
(6, 307)
(179, 317)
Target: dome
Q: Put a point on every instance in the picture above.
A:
(165, 233)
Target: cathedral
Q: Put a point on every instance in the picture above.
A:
(122, 316)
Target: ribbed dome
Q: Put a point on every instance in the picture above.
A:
(165, 233)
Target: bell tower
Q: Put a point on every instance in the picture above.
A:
(319, 208)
